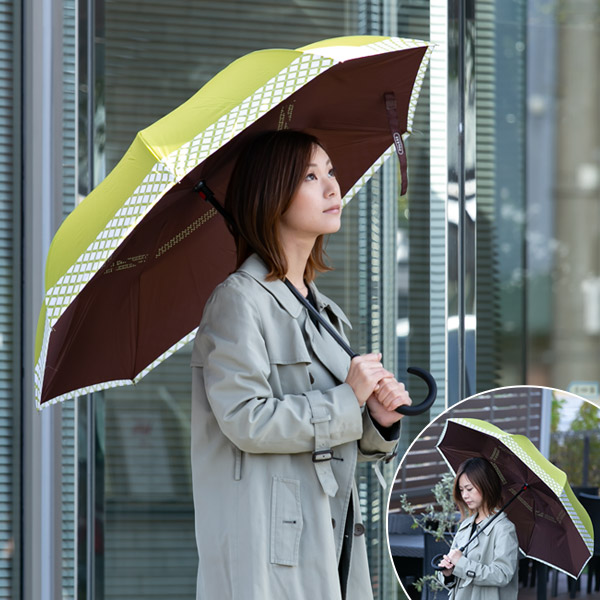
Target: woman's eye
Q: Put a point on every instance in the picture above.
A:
(332, 173)
(310, 177)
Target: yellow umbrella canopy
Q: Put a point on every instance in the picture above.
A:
(130, 269)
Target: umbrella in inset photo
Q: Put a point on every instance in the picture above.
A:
(130, 269)
(552, 525)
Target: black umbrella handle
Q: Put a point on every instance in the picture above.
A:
(418, 409)
(422, 373)
(435, 562)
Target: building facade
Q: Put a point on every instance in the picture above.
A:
(487, 272)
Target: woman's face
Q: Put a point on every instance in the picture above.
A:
(316, 207)
(469, 493)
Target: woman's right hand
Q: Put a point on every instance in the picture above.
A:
(448, 564)
(366, 371)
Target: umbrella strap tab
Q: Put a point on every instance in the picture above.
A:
(392, 114)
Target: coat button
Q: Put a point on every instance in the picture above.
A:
(312, 379)
(359, 529)
(333, 523)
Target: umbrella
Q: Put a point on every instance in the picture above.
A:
(130, 269)
(551, 524)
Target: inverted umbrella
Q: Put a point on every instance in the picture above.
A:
(130, 269)
(552, 526)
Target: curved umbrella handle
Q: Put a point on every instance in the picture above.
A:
(435, 561)
(418, 409)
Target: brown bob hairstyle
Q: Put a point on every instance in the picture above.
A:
(484, 477)
(265, 178)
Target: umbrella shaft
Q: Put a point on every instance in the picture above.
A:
(206, 194)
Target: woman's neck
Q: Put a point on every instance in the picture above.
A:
(296, 256)
(482, 516)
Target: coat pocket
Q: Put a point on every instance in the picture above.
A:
(286, 521)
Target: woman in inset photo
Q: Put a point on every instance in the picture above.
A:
(492, 562)
(497, 498)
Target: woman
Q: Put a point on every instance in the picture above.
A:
(488, 568)
(279, 413)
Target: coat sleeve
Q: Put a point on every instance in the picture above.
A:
(373, 445)
(503, 565)
(447, 582)
(231, 350)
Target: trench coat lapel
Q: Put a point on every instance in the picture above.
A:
(323, 345)
(465, 530)
(463, 534)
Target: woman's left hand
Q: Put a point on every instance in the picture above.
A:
(454, 555)
(387, 397)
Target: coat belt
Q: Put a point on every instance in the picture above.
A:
(323, 453)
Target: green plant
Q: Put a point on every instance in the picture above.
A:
(437, 520)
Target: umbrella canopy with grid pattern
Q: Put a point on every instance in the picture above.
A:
(129, 271)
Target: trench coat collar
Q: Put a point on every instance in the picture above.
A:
(468, 523)
(256, 268)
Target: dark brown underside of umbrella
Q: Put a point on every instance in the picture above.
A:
(151, 292)
(544, 528)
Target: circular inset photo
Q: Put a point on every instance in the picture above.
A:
(498, 498)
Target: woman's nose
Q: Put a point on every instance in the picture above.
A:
(332, 187)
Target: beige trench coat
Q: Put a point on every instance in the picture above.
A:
(488, 568)
(267, 392)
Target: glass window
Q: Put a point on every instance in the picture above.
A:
(563, 192)
(9, 315)
(69, 199)
(538, 182)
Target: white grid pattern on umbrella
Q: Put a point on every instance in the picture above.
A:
(290, 79)
(587, 538)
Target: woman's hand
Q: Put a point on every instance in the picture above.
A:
(389, 394)
(366, 371)
(449, 561)
(448, 566)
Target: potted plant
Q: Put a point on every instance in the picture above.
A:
(438, 522)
